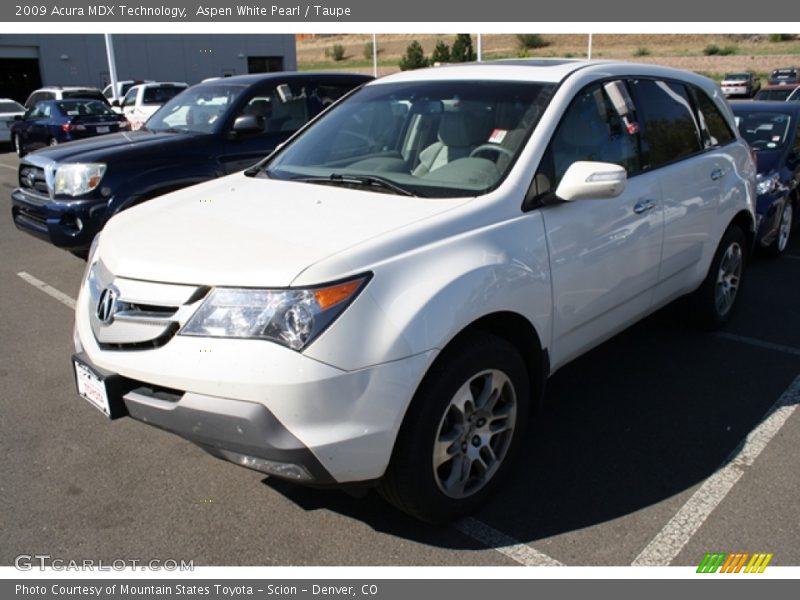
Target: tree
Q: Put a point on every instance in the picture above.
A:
(415, 57)
(462, 49)
(441, 54)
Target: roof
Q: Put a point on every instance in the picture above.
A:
(285, 76)
(540, 70)
(765, 106)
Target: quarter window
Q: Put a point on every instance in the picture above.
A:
(670, 129)
(714, 127)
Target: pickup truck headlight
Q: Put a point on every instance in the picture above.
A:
(292, 317)
(78, 178)
(766, 184)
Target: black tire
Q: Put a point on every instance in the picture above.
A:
(17, 143)
(715, 301)
(785, 226)
(479, 363)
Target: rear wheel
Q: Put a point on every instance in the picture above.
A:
(461, 431)
(714, 302)
(778, 246)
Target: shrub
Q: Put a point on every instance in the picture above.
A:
(462, 49)
(337, 52)
(780, 37)
(415, 57)
(714, 50)
(441, 54)
(368, 50)
(529, 41)
(642, 52)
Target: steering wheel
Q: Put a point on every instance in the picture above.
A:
(491, 147)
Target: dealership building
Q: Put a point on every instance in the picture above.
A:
(29, 61)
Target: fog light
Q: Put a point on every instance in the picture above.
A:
(270, 467)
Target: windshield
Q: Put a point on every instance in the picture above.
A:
(197, 110)
(8, 107)
(737, 77)
(156, 96)
(764, 130)
(777, 95)
(89, 94)
(76, 108)
(437, 139)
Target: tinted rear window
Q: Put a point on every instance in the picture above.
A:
(94, 95)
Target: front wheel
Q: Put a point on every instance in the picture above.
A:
(714, 301)
(778, 245)
(461, 431)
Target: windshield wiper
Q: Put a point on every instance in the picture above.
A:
(361, 180)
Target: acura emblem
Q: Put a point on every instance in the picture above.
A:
(31, 177)
(107, 306)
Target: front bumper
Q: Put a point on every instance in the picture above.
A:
(245, 399)
(769, 208)
(66, 224)
(243, 432)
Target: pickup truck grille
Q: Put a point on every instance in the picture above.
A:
(32, 180)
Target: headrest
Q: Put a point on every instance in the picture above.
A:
(460, 129)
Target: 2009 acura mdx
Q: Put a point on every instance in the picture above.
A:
(382, 300)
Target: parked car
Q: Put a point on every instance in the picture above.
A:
(54, 122)
(142, 101)
(776, 93)
(381, 301)
(122, 88)
(783, 76)
(9, 110)
(772, 131)
(59, 92)
(794, 96)
(744, 84)
(209, 130)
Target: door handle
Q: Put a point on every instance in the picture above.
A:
(644, 206)
(717, 174)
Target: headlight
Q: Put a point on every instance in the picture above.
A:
(766, 184)
(79, 178)
(292, 317)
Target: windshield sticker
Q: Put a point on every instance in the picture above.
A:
(498, 135)
(776, 138)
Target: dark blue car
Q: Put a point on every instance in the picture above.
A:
(771, 129)
(52, 122)
(67, 193)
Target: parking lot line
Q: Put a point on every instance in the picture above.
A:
(761, 344)
(517, 551)
(48, 289)
(8, 167)
(668, 543)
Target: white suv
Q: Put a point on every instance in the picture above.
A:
(381, 300)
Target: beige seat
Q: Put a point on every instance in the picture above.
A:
(459, 134)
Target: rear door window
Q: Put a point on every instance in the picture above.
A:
(713, 126)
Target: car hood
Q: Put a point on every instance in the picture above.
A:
(245, 231)
(99, 147)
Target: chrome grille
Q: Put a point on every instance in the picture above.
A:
(130, 314)
(32, 179)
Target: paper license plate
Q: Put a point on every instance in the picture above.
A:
(103, 129)
(92, 388)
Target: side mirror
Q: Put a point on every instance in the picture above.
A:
(19, 117)
(247, 125)
(585, 180)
